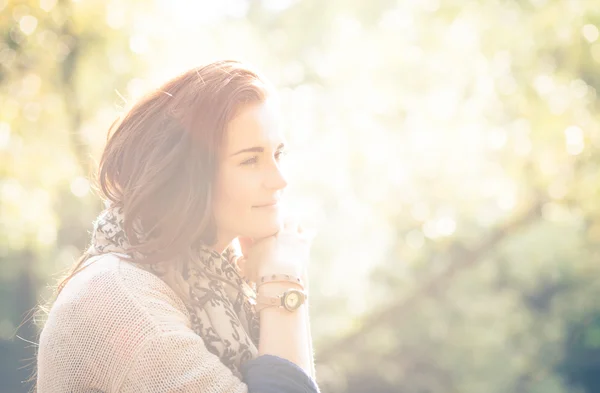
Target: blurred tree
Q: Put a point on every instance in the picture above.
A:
(45, 157)
(581, 362)
(446, 150)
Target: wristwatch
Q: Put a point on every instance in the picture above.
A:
(291, 300)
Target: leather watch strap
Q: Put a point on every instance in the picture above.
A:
(263, 301)
(280, 278)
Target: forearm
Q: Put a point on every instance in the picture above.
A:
(311, 355)
(286, 334)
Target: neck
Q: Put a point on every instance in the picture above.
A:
(221, 244)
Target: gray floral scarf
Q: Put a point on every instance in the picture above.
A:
(219, 301)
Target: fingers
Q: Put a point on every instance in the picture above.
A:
(241, 263)
(309, 233)
(290, 224)
(245, 243)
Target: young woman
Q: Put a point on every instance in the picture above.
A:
(193, 281)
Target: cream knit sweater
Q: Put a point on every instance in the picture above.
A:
(117, 328)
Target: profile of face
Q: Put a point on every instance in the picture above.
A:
(249, 184)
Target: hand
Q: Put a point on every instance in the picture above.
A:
(285, 252)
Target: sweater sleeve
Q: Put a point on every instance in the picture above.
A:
(273, 374)
(178, 361)
(117, 328)
(173, 358)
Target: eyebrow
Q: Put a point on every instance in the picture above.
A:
(255, 149)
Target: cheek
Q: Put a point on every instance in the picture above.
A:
(233, 197)
(236, 193)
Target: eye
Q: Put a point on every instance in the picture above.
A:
(254, 159)
(250, 161)
(280, 153)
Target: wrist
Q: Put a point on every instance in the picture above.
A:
(277, 288)
(281, 297)
(283, 270)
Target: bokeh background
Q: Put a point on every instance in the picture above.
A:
(446, 151)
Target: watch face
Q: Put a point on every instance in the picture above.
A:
(293, 300)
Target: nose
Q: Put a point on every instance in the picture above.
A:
(275, 178)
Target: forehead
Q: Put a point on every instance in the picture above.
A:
(256, 124)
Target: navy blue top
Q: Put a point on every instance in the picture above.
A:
(273, 374)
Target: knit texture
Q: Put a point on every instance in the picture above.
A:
(118, 328)
(219, 301)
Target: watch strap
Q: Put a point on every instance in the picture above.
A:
(264, 301)
(280, 278)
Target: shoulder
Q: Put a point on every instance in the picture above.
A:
(102, 319)
(109, 283)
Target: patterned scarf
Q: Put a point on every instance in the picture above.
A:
(220, 302)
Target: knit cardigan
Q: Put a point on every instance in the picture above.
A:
(118, 328)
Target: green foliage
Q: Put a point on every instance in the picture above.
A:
(447, 152)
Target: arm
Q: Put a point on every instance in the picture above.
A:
(178, 361)
(285, 362)
(282, 334)
(272, 374)
(285, 334)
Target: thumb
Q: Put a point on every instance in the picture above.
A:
(245, 243)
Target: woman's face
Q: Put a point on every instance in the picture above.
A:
(250, 176)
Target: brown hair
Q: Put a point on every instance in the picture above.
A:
(161, 157)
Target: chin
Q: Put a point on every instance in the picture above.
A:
(265, 229)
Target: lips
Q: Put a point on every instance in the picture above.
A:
(268, 204)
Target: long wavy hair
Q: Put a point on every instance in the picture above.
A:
(161, 158)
